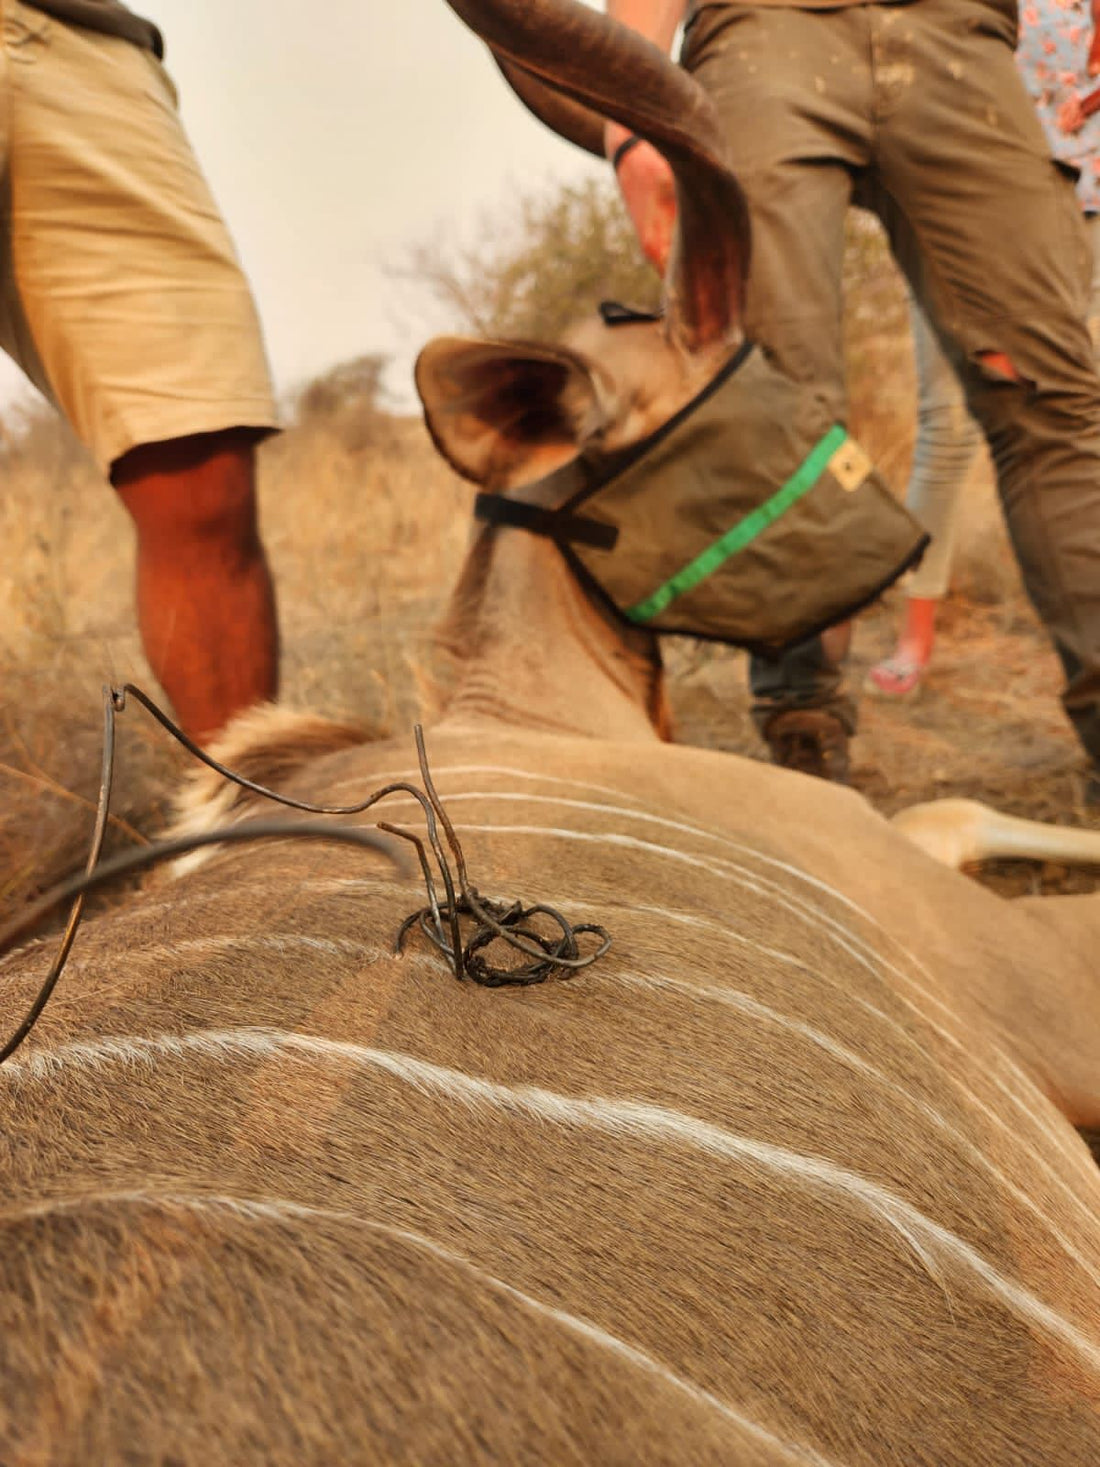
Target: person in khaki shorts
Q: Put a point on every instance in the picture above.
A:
(122, 299)
(917, 111)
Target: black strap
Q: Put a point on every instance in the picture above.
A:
(497, 509)
(624, 147)
(614, 313)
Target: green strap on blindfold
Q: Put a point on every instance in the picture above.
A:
(745, 531)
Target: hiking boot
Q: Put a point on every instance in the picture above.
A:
(811, 740)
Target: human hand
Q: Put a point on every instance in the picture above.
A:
(1076, 111)
(649, 194)
(1071, 115)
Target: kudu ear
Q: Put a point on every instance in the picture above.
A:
(504, 413)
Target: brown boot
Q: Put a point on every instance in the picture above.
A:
(811, 740)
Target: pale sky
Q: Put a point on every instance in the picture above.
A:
(334, 134)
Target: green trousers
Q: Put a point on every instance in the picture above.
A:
(917, 111)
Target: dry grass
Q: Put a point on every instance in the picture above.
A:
(365, 529)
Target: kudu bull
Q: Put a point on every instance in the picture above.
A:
(790, 1176)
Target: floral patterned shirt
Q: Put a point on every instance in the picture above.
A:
(1053, 58)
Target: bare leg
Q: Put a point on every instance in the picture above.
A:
(947, 440)
(918, 631)
(205, 603)
(899, 675)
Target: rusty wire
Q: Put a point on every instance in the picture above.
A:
(441, 923)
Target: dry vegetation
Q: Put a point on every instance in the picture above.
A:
(365, 529)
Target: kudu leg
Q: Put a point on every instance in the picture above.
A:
(958, 832)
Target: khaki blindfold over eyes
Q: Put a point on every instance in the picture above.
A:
(749, 518)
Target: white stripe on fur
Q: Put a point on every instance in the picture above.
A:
(744, 1003)
(1028, 1099)
(353, 786)
(281, 1210)
(930, 1242)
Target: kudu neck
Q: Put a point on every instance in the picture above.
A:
(537, 653)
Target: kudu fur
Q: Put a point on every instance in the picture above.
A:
(789, 1177)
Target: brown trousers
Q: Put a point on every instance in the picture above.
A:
(916, 110)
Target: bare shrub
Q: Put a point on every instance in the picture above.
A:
(531, 275)
(348, 402)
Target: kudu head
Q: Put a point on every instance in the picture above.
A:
(504, 414)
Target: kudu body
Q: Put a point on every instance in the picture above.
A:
(789, 1176)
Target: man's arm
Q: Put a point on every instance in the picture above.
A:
(643, 175)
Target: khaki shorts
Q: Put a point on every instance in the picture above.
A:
(121, 296)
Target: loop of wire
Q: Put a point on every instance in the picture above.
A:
(440, 922)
